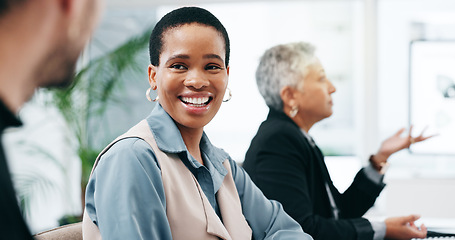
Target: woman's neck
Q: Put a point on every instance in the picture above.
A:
(192, 138)
(305, 125)
(303, 122)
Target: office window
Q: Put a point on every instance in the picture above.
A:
(399, 24)
(334, 27)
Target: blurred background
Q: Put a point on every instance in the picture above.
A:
(392, 62)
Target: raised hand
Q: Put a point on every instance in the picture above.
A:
(396, 142)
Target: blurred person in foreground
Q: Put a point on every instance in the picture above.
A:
(286, 164)
(163, 179)
(40, 41)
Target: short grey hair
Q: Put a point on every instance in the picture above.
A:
(280, 66)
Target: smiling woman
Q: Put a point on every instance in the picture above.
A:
(163, 179)
(191, 80)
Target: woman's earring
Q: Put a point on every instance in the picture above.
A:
(147, 95)
(294, 111)
(229, 96)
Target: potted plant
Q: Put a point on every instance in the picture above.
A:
(84, 104)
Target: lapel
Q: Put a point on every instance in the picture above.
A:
(231, 208)
(317, 154)
(327, 181)
(214, 224)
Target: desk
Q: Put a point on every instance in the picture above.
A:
(428, 197)
(441, 225)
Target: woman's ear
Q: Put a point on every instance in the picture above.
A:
(152, 76)
(287, 95)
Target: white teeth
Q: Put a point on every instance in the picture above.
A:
(197, 101)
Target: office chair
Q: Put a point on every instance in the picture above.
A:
(66, 232)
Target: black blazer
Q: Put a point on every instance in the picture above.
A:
(12, 225)
(287, 168)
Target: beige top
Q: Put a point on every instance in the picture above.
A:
(190, 214)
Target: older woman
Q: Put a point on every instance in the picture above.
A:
(287, 165)
(163, 179)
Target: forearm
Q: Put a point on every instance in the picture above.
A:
(323, 228)
(360, 196)
(379, 162)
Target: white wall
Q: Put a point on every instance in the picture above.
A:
(416, 183)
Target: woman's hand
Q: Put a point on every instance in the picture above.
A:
(396, 143)
(404, 228)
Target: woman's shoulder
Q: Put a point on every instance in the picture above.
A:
(272, 128)
(128, 150)
(128, 145)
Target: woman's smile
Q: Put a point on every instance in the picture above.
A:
(196, 104)
(196, 101)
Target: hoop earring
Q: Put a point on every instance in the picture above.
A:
(229, 96)
(293, 111)
(147, 95)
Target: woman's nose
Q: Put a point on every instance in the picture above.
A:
(196, 80)
(332, 88)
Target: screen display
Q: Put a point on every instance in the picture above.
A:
(432, 95)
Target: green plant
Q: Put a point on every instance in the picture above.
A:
(84, 104)
(32, 185)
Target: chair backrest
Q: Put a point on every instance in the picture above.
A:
(66, 232)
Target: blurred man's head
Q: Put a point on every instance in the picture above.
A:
(42, 40)
(59, 66)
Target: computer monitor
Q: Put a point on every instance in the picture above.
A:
(432, 95)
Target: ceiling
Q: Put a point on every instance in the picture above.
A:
(152, 3)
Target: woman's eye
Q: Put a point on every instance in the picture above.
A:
(213, 67)
(178, 67)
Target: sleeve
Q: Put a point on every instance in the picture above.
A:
(360, 196)
(282, 173)
(379, 230)
(125, 195)
(267, 218)
(373, 175)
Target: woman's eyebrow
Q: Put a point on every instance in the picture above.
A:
(185, 56)
(213, 56)
(181, 56)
